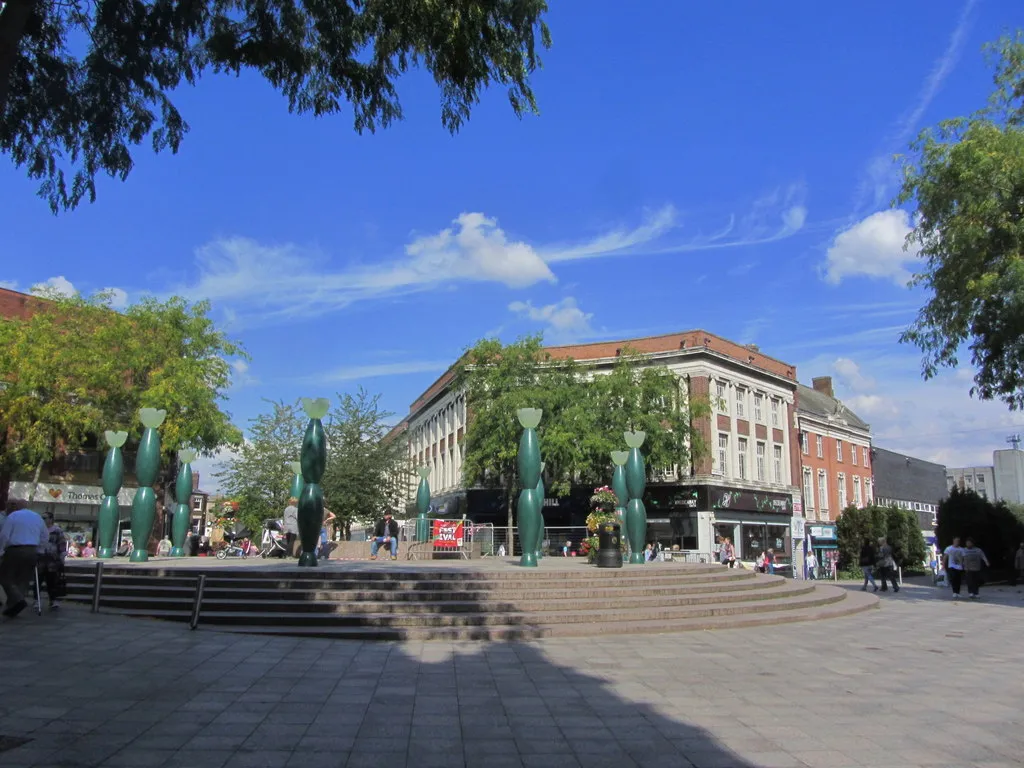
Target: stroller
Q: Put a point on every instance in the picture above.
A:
(274, 540)
(237, 537)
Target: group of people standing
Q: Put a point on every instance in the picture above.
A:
(964, 563)
(30, 545)
(878, 560)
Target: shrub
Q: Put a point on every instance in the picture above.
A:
(899, 526)
(994, 527)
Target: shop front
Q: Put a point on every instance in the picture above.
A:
(823, 540)
(754, 522)
(75, 508)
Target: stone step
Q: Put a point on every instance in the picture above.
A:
(290, 603)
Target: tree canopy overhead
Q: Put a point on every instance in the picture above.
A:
(966, 179)
(82, 82)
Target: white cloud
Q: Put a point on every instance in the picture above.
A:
(564, 321)
(55, 286)
(850, 374)
(208, 466)
(242, 377)
(356, 372)
(10, 285)
(873, 247)
(118, 297)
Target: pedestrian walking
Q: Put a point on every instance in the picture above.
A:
(50, 564)
(290, 525)
(886, 566)
(811, 561)
(868, 558)
(953, 562)
(22, 536)
(973, 558)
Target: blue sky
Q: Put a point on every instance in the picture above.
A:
(720, 165)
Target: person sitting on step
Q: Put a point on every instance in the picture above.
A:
(386, 533)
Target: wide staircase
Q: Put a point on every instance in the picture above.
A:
(506, 603)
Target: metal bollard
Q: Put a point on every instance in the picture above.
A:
(197, 603)
(97, 584)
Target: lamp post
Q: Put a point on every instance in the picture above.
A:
(147, 464)
(313, 462)
(182, 494)
(113, 475)
(528, 508)
(636, 483)
(422, 504)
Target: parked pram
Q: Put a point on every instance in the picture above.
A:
(238, 540)
(275, 541)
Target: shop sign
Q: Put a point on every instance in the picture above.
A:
(66, 493)
(751, 501)
(797, 527)
(823, 531)
(676, 497)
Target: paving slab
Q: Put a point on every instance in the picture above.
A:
(871, 689)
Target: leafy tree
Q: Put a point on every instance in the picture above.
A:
(82, 83)
(257, 476)
(994, 527)
(584, 415)
(76, 367)
(966, 179)
(900, 526)
(366, 473)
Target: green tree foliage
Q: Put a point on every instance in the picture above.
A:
(994, 527)
(584, 415)
(899, 526)
(82, 83)
(257, 476)
(966, 179)
(365, 475)
(76, 368)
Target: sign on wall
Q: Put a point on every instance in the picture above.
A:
(66, 493)
(448, 533)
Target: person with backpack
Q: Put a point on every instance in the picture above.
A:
(973, 558)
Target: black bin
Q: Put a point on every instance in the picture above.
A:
(609, 538)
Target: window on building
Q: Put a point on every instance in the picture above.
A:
(775, 412)
(823, 493)
(760, 461)
(856, 492)
(853, 454)
(820, 446)
(723, 455)
(808, 490)
(841, 488)
(741, 403)
(804, 440)
(741, 458)
(777, 463)
(723, 401)
(981, 479)
(865, 456)
(758, 407)
(839, 450)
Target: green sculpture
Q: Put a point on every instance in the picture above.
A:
(183, 495)
(619, 459)
(636, 483)
(422, 505)
(313, 463)
(528, 509)
(113, 475)
(147, 464)
(539, 549)
(297, 482)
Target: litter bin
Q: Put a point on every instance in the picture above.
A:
(609, 554)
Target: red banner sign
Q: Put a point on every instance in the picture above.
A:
(448, 533)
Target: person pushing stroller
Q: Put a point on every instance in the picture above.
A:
(386, 533)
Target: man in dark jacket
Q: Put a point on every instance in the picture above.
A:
(386, 533)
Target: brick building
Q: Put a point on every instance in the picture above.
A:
(744, 489)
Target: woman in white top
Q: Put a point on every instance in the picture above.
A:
(953, 562)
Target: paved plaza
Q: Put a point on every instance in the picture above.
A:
(920, 682)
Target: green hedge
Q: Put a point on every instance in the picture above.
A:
(899, 526)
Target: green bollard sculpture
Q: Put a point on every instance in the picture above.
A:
(619, 459)
(147, 464)
(540, 512)
(528, 508)
(314, 461)
(113, 475)
(422, 505)
(636, 483)
(183, 495)
(297, 482)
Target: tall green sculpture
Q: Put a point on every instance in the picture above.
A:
(113, 475)
(540, 512)
(619, 459)
(147, 464)
(297, 482)
(636, 483)
(182, 495)
(528, 509)
(422, 505)
(313, 462)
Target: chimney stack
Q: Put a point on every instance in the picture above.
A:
(195, 481)
(823, 384)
